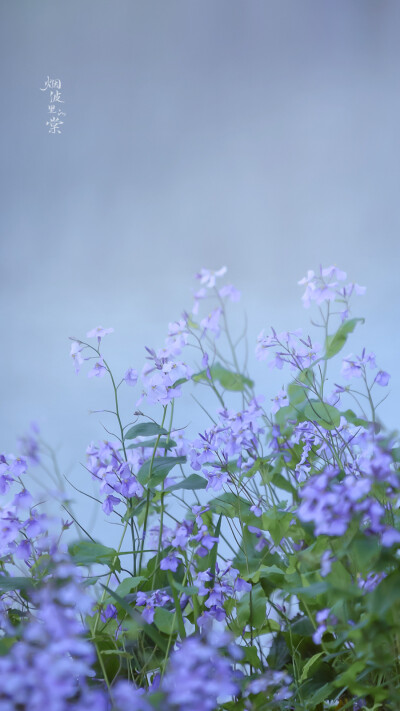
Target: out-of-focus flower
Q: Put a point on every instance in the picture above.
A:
(99, 332)
(131, 377)
(208, 277)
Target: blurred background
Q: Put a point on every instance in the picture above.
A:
(255, 134)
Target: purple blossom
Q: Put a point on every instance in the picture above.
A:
(262, 541)
(280, 400)
(205, 366)
(157, 598)
(109, 613)
(198, 296)
(131, 377)
(323, 618)
(216, 478)
(354, 366)
(207, 541)
(256, 509)
(98, 370)
(127, 697)
(75, 353)
(29, 445)
(177, 336)
(99, 332)
(109, 503)
(270, 679)
(198, 675)
(208, 277)
(211, 322)
(50, 666)
(389, 537)
(326, 563)
(170, 562)
(382, 378)
(334, 273)
(230, 291)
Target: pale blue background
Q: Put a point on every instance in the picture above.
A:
(257, 134)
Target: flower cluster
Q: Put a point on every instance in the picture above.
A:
(115, 476)
(281, 526)
(234, 437)
(49, 667)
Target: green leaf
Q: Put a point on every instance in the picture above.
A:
(296, 393)
(186, 589)
(282, 483)
(229, 380)
(251, 609)
(192, 482)
(302, 626)
(251, 657)
(129, 584)
(311, 590)
(279, 654)
(5, 645)
(233, 506)
(325, 415)
(309, 664)
(385, 595)
(276, 522)
(88, 553)
(352, 417)
(145, 429)
(160, 469)
(8, 583)
(165, 620)
(162, 444)
(335, 343)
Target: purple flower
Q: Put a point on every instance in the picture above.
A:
(129, 698)
(351, 367)
(171, 562)
(204, 365)
(321, 618)
(23, 550)
(109, 613)
(257, 511)
(389, 537)
(208, 277)
(230, 291)
(280, 400)
(131, 377)
(99, 332)
(334, 273)
(216, 479)
(207, 541)
(382, 378)
(198, 674)
(75, 353)
(211, 322)
(109, 503)
(198, 296)
(22, 500)
(98, 370)
(326, 563)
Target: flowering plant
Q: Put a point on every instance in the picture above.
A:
(258, 560)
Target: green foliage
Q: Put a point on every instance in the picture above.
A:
(229, 380)
(154, 471)
(89, 553)
(335, 343)
(145, 429)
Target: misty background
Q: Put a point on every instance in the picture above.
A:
(260, 135)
